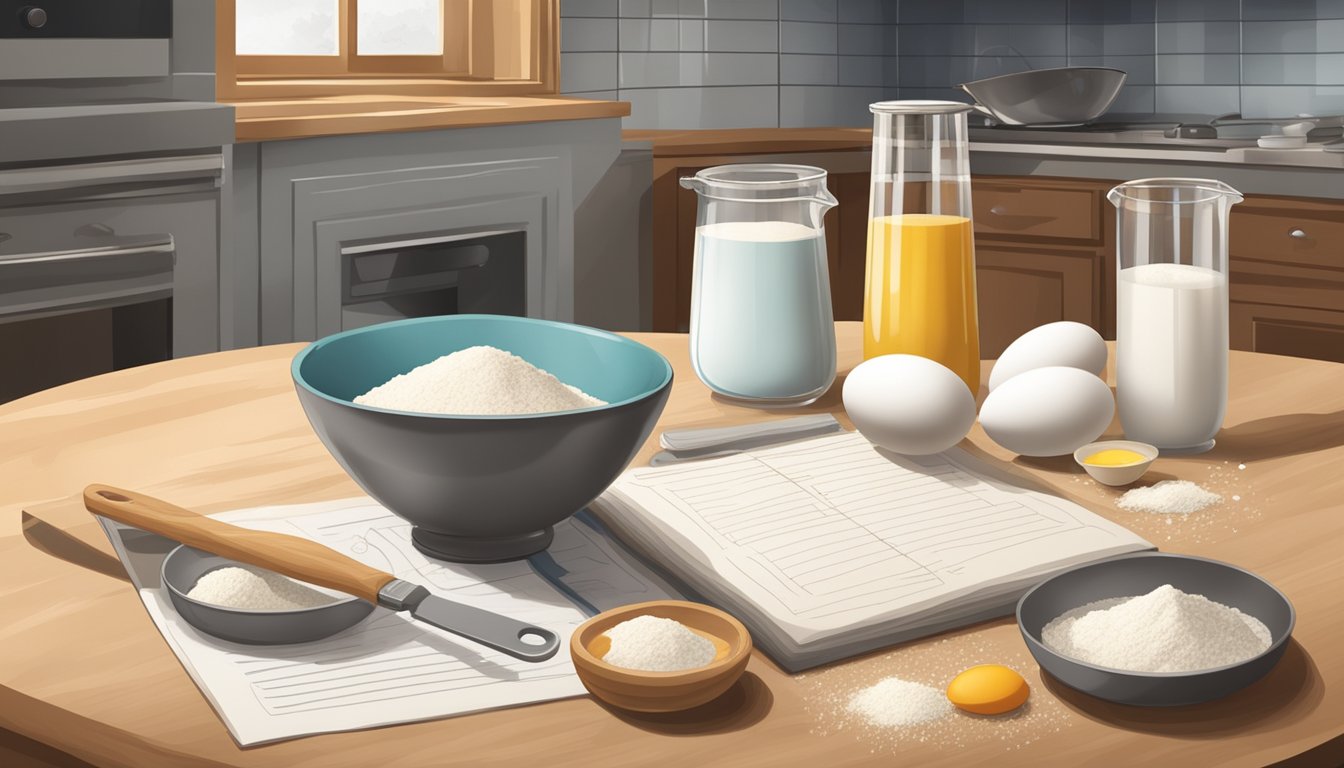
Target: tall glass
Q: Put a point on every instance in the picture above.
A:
(1171, 314)
(761, 324)
(920, 291)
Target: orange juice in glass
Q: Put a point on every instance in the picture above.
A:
(920, 287)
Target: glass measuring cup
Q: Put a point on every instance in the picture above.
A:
(920, 294)
(1171, 312)
(762, 329)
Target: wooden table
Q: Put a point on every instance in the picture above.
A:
(85, 672)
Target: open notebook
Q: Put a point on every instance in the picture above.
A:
(830, 547)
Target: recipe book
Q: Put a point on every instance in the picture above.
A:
(830, 547)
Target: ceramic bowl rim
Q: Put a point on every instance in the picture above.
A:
(297, 363)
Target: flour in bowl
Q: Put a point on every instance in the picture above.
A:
(478, 381)
(249, 590)
(655, 644)
(1165, 630)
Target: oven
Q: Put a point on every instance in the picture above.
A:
(48, 39)
(106, 265)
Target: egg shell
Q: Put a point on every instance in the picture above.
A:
(988, 689)
(1048, 411)
(908, 404)
(1066, 343)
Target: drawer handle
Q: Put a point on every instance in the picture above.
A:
(998, 210)
(1299, 234)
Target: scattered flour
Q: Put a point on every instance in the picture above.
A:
(655, 644)
(1169, 497)
(477, 381)
(1165, 630)
(897, 702)
(249, 590)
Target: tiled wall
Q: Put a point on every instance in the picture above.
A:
(731, 63)
(1262, 58)
(762, 63)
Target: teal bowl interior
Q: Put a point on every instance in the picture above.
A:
(606, 366)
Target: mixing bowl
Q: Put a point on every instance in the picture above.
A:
(1061, 96)
(482, 488)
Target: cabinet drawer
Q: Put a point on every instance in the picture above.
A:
(1296, 331)
(1008, 211)
(1304, 233)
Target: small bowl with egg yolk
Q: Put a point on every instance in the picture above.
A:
(1115, 462)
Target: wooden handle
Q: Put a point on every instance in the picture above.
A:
(290, 555)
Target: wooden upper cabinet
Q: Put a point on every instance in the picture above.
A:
(297, 48)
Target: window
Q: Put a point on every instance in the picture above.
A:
(506, 44)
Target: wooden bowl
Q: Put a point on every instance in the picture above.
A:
(641, 691)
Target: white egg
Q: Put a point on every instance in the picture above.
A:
(1048, 411)
(1065, 343)
(908, 404)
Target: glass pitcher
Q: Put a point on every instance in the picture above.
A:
(1171, 313)
(920, 291)
(761, 323)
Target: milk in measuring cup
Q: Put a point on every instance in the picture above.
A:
(1171, 353)
(761, 309)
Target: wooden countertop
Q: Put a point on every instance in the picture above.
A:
(297, 118)
(760, 141)
(86, 672)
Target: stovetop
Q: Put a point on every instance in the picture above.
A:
(1150, 130)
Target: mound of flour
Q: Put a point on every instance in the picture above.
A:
(477, 381)
(1165, 630)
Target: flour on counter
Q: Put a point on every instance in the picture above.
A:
(477, 381)
(897, 702)
(1169, 497)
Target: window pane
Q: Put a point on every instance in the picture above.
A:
(288, 27)
(400, 28)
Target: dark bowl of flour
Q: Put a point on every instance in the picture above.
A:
(485, 483)
(1156, 630)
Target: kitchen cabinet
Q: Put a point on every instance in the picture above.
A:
(1287, 286)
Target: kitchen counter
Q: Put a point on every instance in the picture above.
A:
(1148, 145)
(86, 673)
(297, 118)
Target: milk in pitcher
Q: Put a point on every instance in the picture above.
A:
(761, 310)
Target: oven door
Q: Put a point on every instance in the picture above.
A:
(67, 315)
(49, 39)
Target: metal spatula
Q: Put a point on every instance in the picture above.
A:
(313, 563)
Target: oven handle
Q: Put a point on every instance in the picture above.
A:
(101, 252)
(61, 177)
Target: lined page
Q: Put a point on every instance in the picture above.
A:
(390, 668)
(832, 531)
